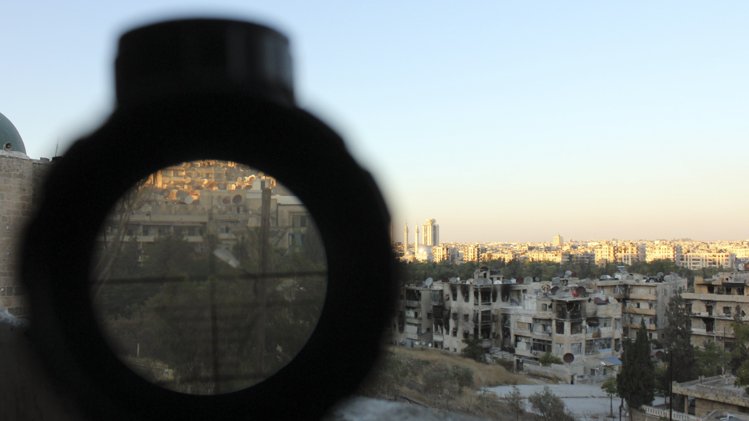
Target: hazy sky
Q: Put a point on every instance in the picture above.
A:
(504, 120)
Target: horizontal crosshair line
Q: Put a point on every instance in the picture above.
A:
(243, 277)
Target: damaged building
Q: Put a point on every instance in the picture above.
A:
(529, 319)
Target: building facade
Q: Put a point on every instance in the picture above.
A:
(19, 193)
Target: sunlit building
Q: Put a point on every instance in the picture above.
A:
(704, 260)
(715, 304)
(430, 233)
(662, 251)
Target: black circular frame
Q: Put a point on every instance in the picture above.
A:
(287, 142)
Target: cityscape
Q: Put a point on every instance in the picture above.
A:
(565, 186)
(425, 246)
(526, 304)
(562, 311)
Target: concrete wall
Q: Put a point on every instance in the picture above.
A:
(20, 179)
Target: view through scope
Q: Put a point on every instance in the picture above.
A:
(209, 276)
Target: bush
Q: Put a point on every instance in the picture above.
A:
(549, 406)
(548, 359)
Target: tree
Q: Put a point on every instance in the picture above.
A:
(710, 360)
(740, 354)
(609, 386)
(548, 359)
(740, 350)
(473, 349)
(676, 339)
(515, 402)
(549, 406)
(636, 381)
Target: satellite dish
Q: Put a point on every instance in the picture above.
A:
(428, 282)
(568, 358)
(188, 199)
(567, 273)
(237, 199)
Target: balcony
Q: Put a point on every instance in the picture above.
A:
(642, 296)
(641, 310)
(716, 297)
(542, 334)
(648, 326)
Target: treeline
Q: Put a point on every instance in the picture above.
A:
(216, 324)
(540, 271)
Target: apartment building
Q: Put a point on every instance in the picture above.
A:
(715, 304)
(530, 319)
(662, 251)
(702, 260)
(544, 256)
(629, 253)
(569, 322)
(642, 298)
(605, 254)
(473, 253)
(444, 253)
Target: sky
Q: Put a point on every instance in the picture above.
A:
(505, 121)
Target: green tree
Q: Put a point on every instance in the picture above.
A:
(514, 402)
(548, 359)
(740, 350)
(636, 381)
(711, 360)
(609, 386)
(473, 349)
(740, 354)
(676, 339)
(549, 406)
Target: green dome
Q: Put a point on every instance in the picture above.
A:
(10, 140)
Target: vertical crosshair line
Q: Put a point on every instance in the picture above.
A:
(214, 336)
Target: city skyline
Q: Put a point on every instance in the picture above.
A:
(504, 122)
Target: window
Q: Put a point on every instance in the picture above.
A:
(465, 317)
(709, 325)
(727, 311)
(429, 316)
(560, 327)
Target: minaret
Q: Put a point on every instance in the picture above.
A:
(405, 239)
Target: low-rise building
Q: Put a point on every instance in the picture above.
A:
(715, 304)
(705, 260)
(643, 299)
(711, 395)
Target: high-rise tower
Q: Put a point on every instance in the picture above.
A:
(431, 233)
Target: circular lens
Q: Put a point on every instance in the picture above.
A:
(209, 277)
